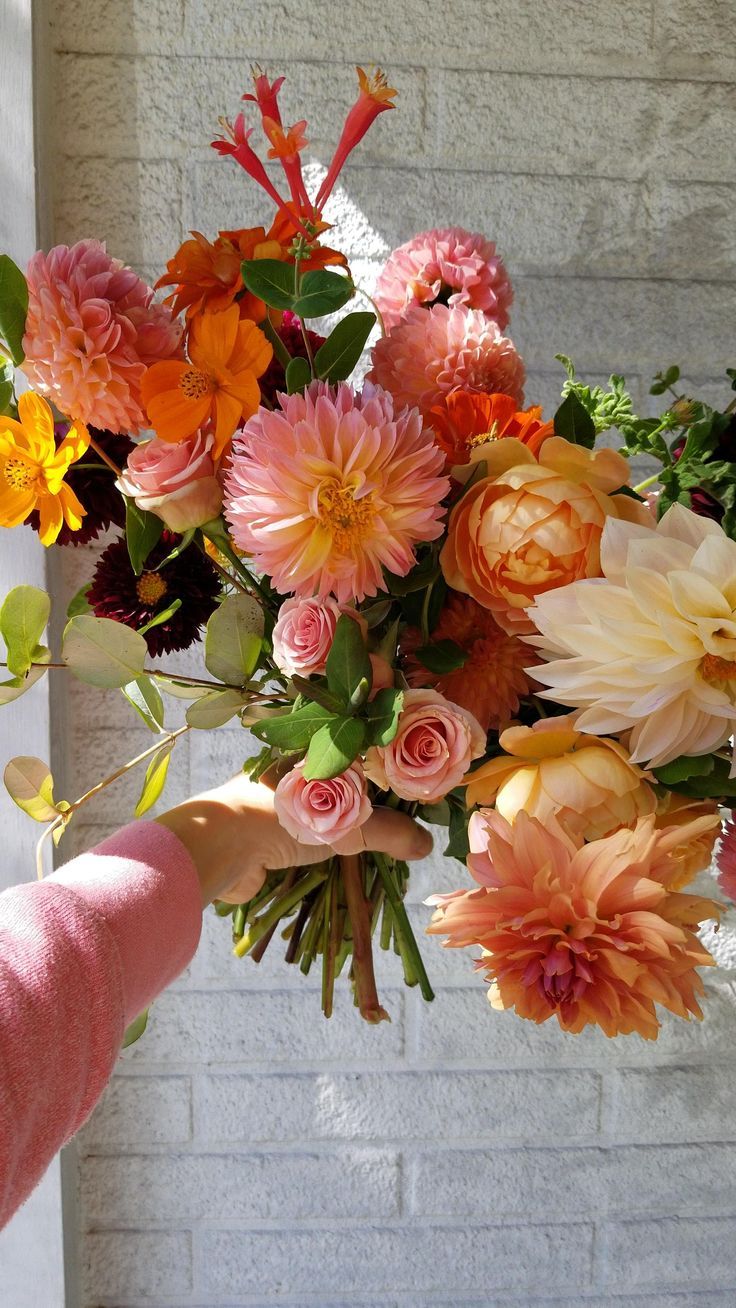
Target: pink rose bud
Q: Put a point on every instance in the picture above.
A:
(176, 482)
(324, 812)
(303, 635)
(431, 751)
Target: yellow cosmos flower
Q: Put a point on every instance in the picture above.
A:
(32, 469)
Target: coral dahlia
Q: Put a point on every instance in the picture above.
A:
(447, 265)
(91, 331)
(590, 934)
(331, 488)
(434, 351)
(650, 646)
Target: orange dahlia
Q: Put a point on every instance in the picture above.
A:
(206, 274)
(218, 386)
(590, 934)
(492, 680)
(465, 421)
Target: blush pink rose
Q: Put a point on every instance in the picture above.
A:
(324, 812)
(176, 482)
(303, 635)
(431, 751)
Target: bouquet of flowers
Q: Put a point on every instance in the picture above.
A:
(412, 590)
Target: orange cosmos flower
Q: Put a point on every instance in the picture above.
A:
(218, 386)
(492, 680)
(206, 274)
(32, 469)
(592, 935)
(465, 421)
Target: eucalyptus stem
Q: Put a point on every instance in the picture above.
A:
(644, 485)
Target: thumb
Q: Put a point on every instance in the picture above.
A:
(396, 834)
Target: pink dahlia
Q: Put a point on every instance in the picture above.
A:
(447, 266)
(327, 491)
(434, 351)
(726, 859)
(92, 329)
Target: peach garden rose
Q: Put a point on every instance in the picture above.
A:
(431, 751)
(324, 812)
(176, 482)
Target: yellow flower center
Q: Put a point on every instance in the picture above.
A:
(483, 436)
(150, 588)
(195, 384)
(716, 669)
(347, 518)
(19, 475)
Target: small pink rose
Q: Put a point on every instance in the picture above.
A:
(303, 635)
(176, 482)
(431, 751)
(324, 812)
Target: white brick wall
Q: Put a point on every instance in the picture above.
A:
(247, 1152)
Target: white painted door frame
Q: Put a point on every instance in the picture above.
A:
(31, 1247)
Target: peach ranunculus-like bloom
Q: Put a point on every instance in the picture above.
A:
(464, 422)
(494, 677)
(333, 487)
(449, 265)
(551, 770)
(533, 525)
(591, 934)
(176, 482)
(435, 743)
(324, 812)
(92, 329)
(434, 351)
(303, 635)
(695, 853)
(206, 274)
(650, 647)
(219, 386)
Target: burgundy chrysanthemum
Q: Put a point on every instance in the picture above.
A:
(274, 378)
(117, 593)
(94, 485)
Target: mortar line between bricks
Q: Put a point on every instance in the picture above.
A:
(329, 1146)
(429, 71)
(348, 1066)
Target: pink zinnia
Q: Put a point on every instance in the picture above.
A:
(434, 351)
(329, 490)
(449, 265)
(726, 860)
(91, 331)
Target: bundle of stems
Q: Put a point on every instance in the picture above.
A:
(332, 912)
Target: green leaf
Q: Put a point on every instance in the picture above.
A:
(145, 698)
(7, 387)
(215, 708)
(30, 785)
(335, 360)
(271, 280)
(438, 814)
(102, 652)
(142, 531)
(293, 731)
(664, 380)
(158, 619)
(680, 769)
(731, 374)
(234, 639)
(382, 716)
(13, 307)
(442, 656)
(177, 687)
(457, 845)
(347, 662)
(155, 779)
(254, 767)
(316, 691)
(17, 686)
(136, 1029)
(574, 422)
(186, 539)
(333, 748)
(707, 778)
(23, 618)
(298, 375)
(322, 292)
(79, 603)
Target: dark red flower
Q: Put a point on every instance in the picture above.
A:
(117, 593)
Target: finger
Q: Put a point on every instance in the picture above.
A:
(396, 834)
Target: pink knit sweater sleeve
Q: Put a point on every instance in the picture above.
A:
(81, 954)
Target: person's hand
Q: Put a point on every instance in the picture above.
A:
(234, 838)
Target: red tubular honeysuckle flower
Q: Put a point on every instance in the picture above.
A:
(286, 146)
(266, 95)
(237, 144)
(374, 98)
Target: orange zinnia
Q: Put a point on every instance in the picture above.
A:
(463, 421)
(206, 274)
(217, 386)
